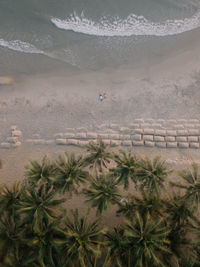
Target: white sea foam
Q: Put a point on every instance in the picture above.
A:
(20, 46)
(132, 25)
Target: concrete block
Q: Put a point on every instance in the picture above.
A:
(13, 128)
(189, 126)
(149, 144)
(170, 138)
(138, 121)
(148, 131)
(160, 132)
(193, 132)
(81, 135)
(16, 133)
(106, 141)
(91, 135)
(181, 139)
(171, 121)
(115, 142)
(194, 145)
(68, 135)
(195, 121)
(149, 120)
(70, 130)
(5, 145)
(136, 137)
(183, 144)
(156, 125)
(138, 143)
(17, 144)
(81, 130)
(182, 132)
(161, 144)
(11, 139)
(59, 135)
(114, 126)
(113, 136)
(193, 139)
(145, 125)
(161, 121)
(83, 143)
(171, 132)
(148, 137)
(61, 141)
(103, 136)
(182, 121)
(73, 142)
(159, 138)
(171, 144)
(138, 131)
(134, 126)
(124, 137)
(178, 126)
(124, 130)
(126, 143)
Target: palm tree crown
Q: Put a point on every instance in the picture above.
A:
(126, 168)
(152, 174)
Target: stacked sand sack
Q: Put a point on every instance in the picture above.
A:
(12, 140)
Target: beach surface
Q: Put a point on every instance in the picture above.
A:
(162, 86)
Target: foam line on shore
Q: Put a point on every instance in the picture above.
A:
(132, 25)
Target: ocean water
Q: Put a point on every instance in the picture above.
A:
(90, 33)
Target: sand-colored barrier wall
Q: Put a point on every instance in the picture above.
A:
(142, 132)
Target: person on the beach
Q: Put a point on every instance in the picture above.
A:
(102, 96)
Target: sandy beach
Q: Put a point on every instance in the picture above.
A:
(163, 87)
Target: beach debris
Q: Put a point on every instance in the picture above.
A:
(6, 80)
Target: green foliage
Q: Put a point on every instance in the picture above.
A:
(146, 240)
(98, 157)
(152, 230)
(82, 241)
(191, 185)
(152, 174)
(126, 168)
(69, 173)
(102, 192)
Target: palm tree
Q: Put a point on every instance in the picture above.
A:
(147, 241)
(11, 234)
(117, 248)
(179, 212)
(9, 197)
(152, 174)
(191, 185)
(39, 174)
(98, 157)
(148, 203)
(102, 192)
(37, 207)
(126, 168)
(43, 244)
(82, 241)
(69, 173)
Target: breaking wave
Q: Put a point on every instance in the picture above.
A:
(132, 25)
(20, 46)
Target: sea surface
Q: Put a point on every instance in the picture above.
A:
(89, 34)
